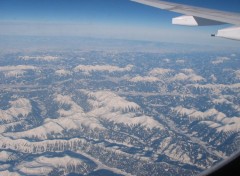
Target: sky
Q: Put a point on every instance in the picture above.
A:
(120, 19)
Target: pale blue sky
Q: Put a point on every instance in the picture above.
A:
(106, 19)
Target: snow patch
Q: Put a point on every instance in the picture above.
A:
(19, 109)
(8, 173)
(188, 71)
(72, 119)
(39, 58)
(14, 73)
(62, 72)
(111, 107)
(220, 60)
(212, 118)
(180, 61)
(87, 69)
(44, 165)
(6, 156)
(193, 114)
(237, 73)
(111, 101)
(144, 79)
(160, 71)
(187, 77)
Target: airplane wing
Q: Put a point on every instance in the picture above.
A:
(196, 16)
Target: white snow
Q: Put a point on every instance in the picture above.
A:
(44, 58)
(20, 107)
(8, 173)
(188, 70)
(14, 73)
(160, 71)
(166, 60)
(41, 171)
(180, 61)
(144, 79)
(221, 100)
(44, 165)
(111, 101)
(237, 73)
(193, 114)
(25, 146)
(187, 77)
(164, 144)
(4, 167)
(40, 132)
(220, 60)
(72, 119)
(18, 67)
(62, 72)
(176, 153)
(213, 78)
(101, 68)
(110, 106)
(212, 118)
(230, 124)
(105, 105)
(6, 156)
(216, 87)
(103, 166)
(180, 77)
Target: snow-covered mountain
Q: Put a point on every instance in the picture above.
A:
(117, 113)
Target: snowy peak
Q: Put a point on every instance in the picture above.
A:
(19, 109)
(111, 101)
(39, 58)
(111, 107)
(62, 72)
(212, 118)
(44, 165)
(87, 69)
(144, 79)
